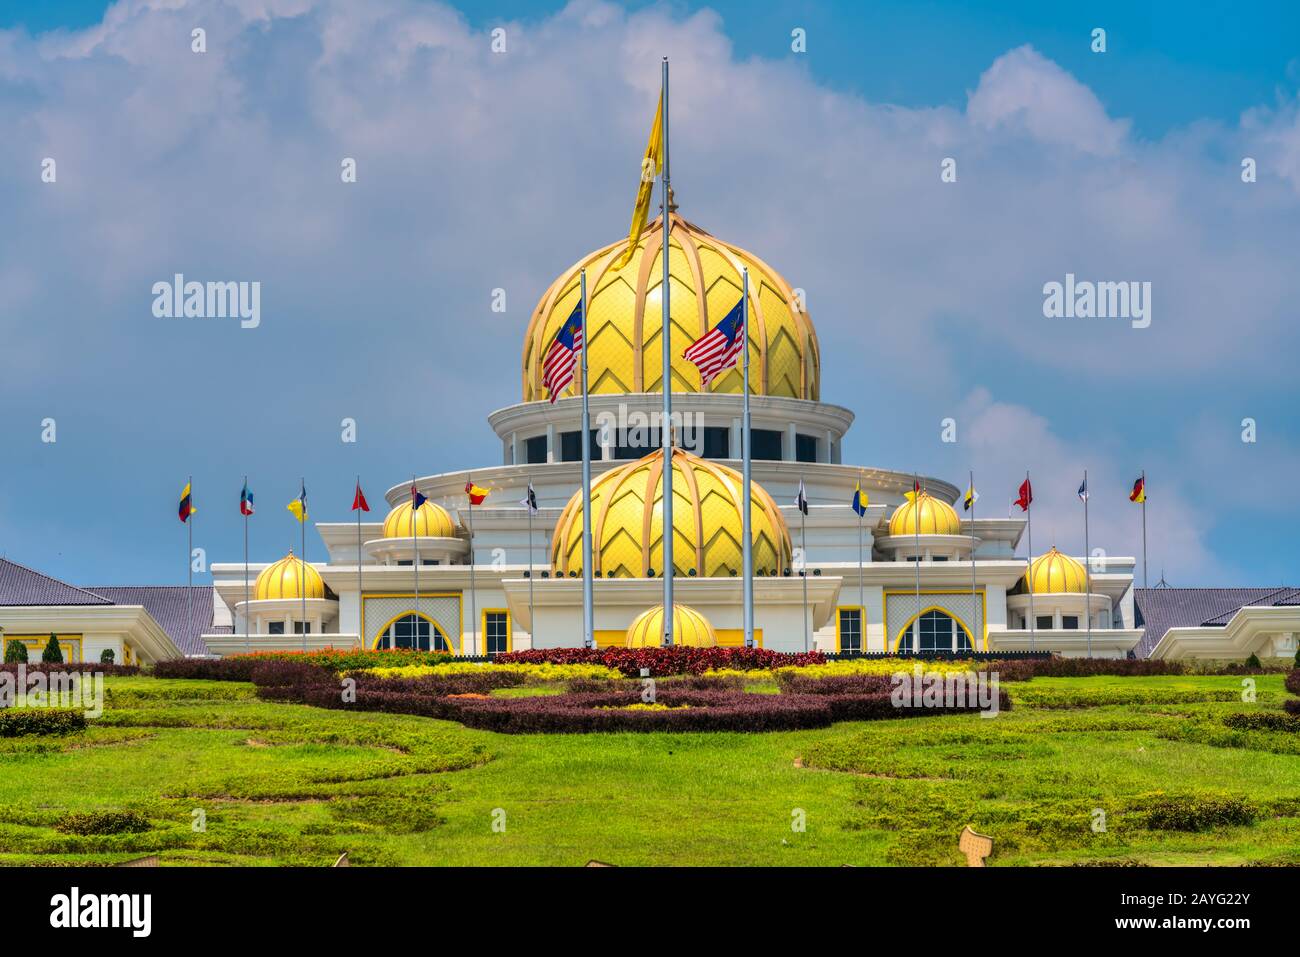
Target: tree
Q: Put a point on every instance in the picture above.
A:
(107, 656)
(15, 652)
(1253, 661)
(52, 654)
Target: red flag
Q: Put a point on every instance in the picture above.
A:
(1139, 493)
(1026, 495)
(359, 500)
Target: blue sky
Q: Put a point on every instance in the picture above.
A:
(479, 172)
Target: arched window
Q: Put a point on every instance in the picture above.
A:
(938, 632)
(413, 631)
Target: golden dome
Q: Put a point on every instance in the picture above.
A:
(627, 522)
(432, 521)
(690, 628)
(288, 578)
(625, 308)
(937, 517)
(1055, 573)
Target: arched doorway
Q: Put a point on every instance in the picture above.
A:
(934, 630)
(412, 631)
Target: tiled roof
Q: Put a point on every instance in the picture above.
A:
(20, 585)
(168, 606)
(1159, 609)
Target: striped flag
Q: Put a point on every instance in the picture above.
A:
(1139, 493)
(186, 508)
(718, 351)
(246, 500)
(562, 356)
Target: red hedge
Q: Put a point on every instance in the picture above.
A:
(677, 660)
(1293, 681)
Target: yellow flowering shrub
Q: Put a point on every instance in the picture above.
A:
(540, 672)
(876, 666)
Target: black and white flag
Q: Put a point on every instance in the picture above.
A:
(801, 500)
(529, 501)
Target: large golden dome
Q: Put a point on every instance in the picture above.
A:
(936, 517)
(627, 522)
(690, 628)
(1054, 573)
(625, 306)
(290, 577)
(432, 521)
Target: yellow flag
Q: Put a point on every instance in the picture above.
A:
(651, 165)
(298, 508)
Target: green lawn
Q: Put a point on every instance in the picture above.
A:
(283, 784)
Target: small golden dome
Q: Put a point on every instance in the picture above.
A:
(625, 306)
(627, 522)
(432, 521)
(690, 628)
(1055, 573)
(937, 517)
(290, 577)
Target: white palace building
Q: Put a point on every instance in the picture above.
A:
(517, 582)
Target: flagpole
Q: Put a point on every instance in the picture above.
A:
(1144, 529)
(974, 594)
(189, 558)
(532, 618)
(803, 559)
(361, 638)
(588, 609)
(1087, 564)
(862, 603)
(916, 533)
(1029, 562)
(473, 593)
(247, 641)
(747, 552)
(415, 566)
(302, 568)
(665, 427)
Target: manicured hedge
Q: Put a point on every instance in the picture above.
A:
(95, 667)
(791, 682)
(15, 722)
(209, 669)
(1293, 681)
(1185, 813)
(1092, 667)
(1263, 721)
(677, 660)
(102, 822)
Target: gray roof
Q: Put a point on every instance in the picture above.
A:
(168, 606)
(1159, 609)
(20, 585)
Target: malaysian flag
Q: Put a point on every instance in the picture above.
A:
(718, 351)
(561, 357)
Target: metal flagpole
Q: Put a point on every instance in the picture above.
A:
(1144, 529)
(974, 594)
(1029, 562)
(747, 551)
(803, 558)
(916, 537)
(665, 427)
(302, 566)
(189, 557)
(247, 641)
(532, 618)
(862, 604)
(415, 567)
(360, 600)
(1087, 564)
(473, 594)
(588, 607)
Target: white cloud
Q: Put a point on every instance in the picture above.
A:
(1025, 92)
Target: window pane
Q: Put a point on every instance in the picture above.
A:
(1044, 621)
(805, 448)
(535, 449)
(496, 632)
(850, 629)
(767, 444)
(1069, 621)
(717, 442)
